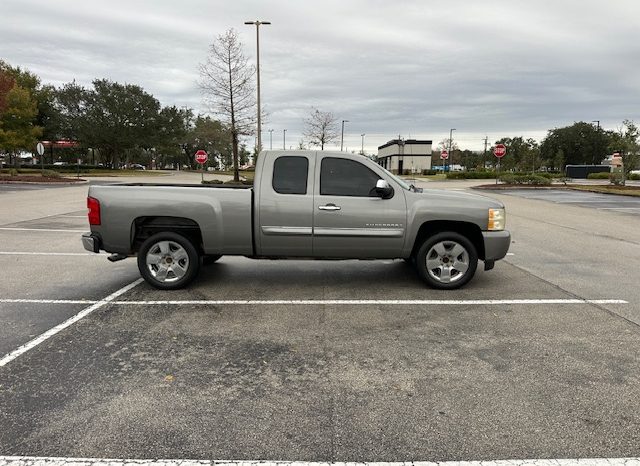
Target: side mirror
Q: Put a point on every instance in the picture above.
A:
(383, 189)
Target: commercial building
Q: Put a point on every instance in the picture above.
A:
(405, 156)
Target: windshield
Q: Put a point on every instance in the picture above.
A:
(397, 179)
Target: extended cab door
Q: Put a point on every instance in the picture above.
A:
(350, 219)
(285, 211)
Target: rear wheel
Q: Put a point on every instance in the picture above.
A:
(168, 261)
(447, 260)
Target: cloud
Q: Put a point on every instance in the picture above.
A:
(500, 68)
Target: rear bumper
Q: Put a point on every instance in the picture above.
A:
(91, 242)
(496, 244)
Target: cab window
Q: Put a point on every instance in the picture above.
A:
(290, 175)
(344, 177)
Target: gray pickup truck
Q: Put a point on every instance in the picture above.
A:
(303, 204)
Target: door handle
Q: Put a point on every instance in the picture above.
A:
(329, 207)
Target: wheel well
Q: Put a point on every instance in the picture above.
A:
(144, 227)
(469, 230)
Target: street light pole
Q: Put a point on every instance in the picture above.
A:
(284, 139)
(270, 139)
(362, 148)
(342, 134)
(451, 141)
(257, 24)
(597, 140)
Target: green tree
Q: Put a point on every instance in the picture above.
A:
(580, 143)
(522, 154)
(17, 129)
(211, 135)
(625, 142)
(43, 95)
(117, 119)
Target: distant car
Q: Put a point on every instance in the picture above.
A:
(59, 164)
(137, 166)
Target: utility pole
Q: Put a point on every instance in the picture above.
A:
(270, 139)
(362, 148)
(484, 156)
(598, 139)
(342, 134)
(257, 24)
(284, 139)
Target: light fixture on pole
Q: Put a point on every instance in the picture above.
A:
(284, 139)
(342, 134)
(362, 147)
(257, 24)
(270, 139)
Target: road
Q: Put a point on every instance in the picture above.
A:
(323, 360)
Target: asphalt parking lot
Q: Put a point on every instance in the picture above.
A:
(622, 204)
(322, 360)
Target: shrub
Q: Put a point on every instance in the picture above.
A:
(634, 176)
(615, 178)
(50, 174)
(429, 172)
(598, 176)
(479, 175)
(533, 180)
(239, 183)
(13, 172)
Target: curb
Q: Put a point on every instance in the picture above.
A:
(57, 183)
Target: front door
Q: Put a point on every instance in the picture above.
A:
(350, 220)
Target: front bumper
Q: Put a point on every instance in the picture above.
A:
(496, 244)
(91, 242)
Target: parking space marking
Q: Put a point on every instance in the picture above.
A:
(58, 328)
(28, 253)
(319, 302)
(350, 302)
(53, 461)
(48, 301)
(42, 229)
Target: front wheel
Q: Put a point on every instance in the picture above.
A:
(168, 261)
(447, 260)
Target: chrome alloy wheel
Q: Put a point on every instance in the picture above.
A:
(447, 261)
(167, 261)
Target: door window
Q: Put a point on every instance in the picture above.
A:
(290, 175)
(344, 177)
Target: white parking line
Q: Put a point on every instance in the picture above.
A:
(51, 332)
(53, 461)
(25, 253)
(312, 302)
(43, 229)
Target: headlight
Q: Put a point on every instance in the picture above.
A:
(497, 220)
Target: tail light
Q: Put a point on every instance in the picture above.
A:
(94, 210)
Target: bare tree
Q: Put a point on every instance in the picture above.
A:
(226, 81)
(320, 128)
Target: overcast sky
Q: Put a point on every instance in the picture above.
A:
(410, 68)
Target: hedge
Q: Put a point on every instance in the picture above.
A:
(535, 180)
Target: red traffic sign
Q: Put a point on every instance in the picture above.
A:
(500, 150)
(201, 157)
(444, 155)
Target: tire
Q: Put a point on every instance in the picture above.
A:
(447, 260)
(168, 261)
(210, 259)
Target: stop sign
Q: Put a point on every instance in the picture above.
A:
(444, 155)
(499, 150)
(201, 157)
